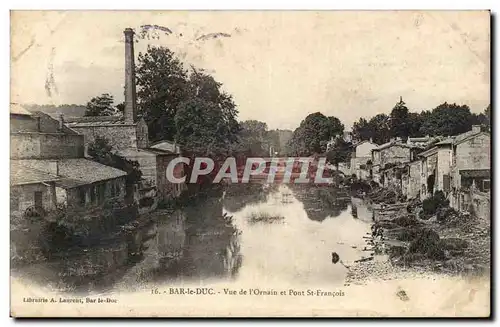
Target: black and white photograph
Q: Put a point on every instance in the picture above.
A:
(250, 163)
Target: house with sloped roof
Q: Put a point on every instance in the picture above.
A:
(48, 167)
(32, 191)
(459, 166)
(360, 155)
(471, 171)
(389, 154)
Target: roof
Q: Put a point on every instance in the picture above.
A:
(76, 172)
(21, 175)
(445, 141)
(365, 141)
(467, 136)
(420, 139)
(392, 143)
(97, 121)
(457, 139)
(428, 152)
(484, 173)
(49, 124)
(166, 146)
(133, 153)
(17, 109)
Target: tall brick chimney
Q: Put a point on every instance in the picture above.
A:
(130, 112)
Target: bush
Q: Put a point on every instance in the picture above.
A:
(427, 242)
(146, 202)
(406, 221)
(432, 204)
(454, 244)
(446, 214)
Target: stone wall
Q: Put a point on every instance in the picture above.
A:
(414, 183)
(45, 146)
(114, 190)
(443, 168)
(393, 154)
(23, 197)
(21, 123)
(474, 153)
(119, 136)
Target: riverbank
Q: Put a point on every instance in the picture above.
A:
(408, 238)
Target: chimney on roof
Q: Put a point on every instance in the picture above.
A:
(371, 139)
(130, 95)
(61, 122)
(476, 129)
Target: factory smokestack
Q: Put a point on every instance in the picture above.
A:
(130, 113)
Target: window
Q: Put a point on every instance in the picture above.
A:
(486, 185)
(92, 194)
(446, 183)
(82, 196)
(38, 199)
(100, 190)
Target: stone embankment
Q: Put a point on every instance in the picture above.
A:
(413, 238)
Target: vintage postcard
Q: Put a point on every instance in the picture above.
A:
(250, 164)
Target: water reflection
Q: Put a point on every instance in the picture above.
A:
(321, 202)
(253, 233)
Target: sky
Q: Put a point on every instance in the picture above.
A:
(279, 66)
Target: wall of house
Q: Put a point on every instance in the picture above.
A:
(394, 154)
(119, 136)
(365, 150)
(168, 189)
(443, 165)
(45, 146)
(414, 181)
(429, 167)
(356, 163)
(23, 196)
(114, 190)
(474, 153)
(23, 123)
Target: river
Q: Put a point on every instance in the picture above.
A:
(263, 235)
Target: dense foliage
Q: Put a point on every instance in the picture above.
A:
(444, 120)
(101, 151)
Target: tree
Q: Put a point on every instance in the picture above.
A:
(120, 108)
(165, 87)
(341, 152)
(162, 85)
(205, 87)
(484, 118)
(253, 138)
(101, 151)
(202, 129)
(313, 134)
(448, 119)
(362, 130)
(400, 117)
(380, 126)
(414, 124)
(101, 106)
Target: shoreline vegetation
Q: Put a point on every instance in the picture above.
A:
(420, 238)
